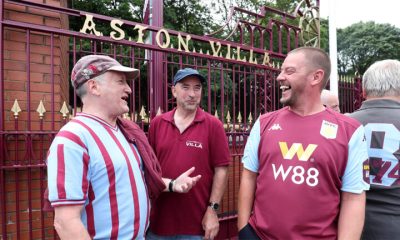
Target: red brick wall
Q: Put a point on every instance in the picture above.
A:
(24, 175)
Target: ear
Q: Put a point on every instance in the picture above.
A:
(364, 94)
(318, 77)
(93, 87)
(173, 90)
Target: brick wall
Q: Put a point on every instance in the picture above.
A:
(35, 69)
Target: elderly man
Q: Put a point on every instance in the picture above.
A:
(330, 100)
(380, 114)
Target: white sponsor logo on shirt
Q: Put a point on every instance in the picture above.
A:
(194, 144)
(276, 126)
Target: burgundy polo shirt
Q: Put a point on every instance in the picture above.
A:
(203, 145)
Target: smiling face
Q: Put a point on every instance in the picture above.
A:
(293, 78)
(113, 93)
(187, 93)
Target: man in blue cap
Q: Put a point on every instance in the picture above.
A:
(189, 136)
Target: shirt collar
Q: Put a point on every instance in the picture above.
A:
(199, 117)
(380, 103)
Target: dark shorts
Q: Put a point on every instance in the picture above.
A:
(248, 233)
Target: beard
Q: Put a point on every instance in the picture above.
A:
(289, 101)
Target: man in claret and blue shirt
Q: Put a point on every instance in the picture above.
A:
(189, 136)
(380, 115)
(304, 175)
(101, 169)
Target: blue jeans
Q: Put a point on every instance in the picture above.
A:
(152, 236)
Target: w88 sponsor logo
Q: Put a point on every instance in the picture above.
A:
(298, 174)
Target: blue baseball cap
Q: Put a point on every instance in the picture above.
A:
(186, 72)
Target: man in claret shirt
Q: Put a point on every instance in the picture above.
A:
(303, 172)
(101, 170)
(189, 136)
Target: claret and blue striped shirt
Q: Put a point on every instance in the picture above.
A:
(91, 163)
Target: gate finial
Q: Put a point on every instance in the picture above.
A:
(16, 109)
(41, 110)
(64, 110)
(143, 113)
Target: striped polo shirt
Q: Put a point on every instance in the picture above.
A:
(91, 163)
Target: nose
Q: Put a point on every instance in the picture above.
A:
(191, 92)
(280, 77)
(128, 89)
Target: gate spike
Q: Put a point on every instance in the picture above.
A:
(16, 109)
(64, 110)
(216, 114)
(239, 118)
(159, 112)
(41, 110)
(143, 113)
(250, 118)
(228, 117)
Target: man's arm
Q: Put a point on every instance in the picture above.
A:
(68, 224)
(246, 197)
(351, 216)
(210, 220)
(183, 183)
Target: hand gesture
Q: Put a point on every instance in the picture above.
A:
(184, 182)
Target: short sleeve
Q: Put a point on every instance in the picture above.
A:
(355, 178)
(250, 156)
(67, 170)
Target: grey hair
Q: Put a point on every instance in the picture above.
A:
(81, 91)
(382, 79)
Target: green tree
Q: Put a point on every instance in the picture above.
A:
(363, 43)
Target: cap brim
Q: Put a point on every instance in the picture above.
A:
(131, 73)
(199, 76)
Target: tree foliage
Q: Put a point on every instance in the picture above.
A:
(363, 43)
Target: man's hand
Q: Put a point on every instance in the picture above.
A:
(210, 224)
(184, 182)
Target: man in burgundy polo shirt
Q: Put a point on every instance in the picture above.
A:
(184, 137)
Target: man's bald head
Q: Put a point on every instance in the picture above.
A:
(330, 100)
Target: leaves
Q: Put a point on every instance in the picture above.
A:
(363, 43)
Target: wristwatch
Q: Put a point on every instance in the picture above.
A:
(214, 206)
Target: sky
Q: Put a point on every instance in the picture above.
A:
(353, 11)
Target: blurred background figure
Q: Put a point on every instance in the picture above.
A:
(330, 100)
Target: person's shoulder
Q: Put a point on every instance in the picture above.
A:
(167, 116)
(345, 120)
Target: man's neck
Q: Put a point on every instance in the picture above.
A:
(96, 112)
(308, 107)
(183, 118)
